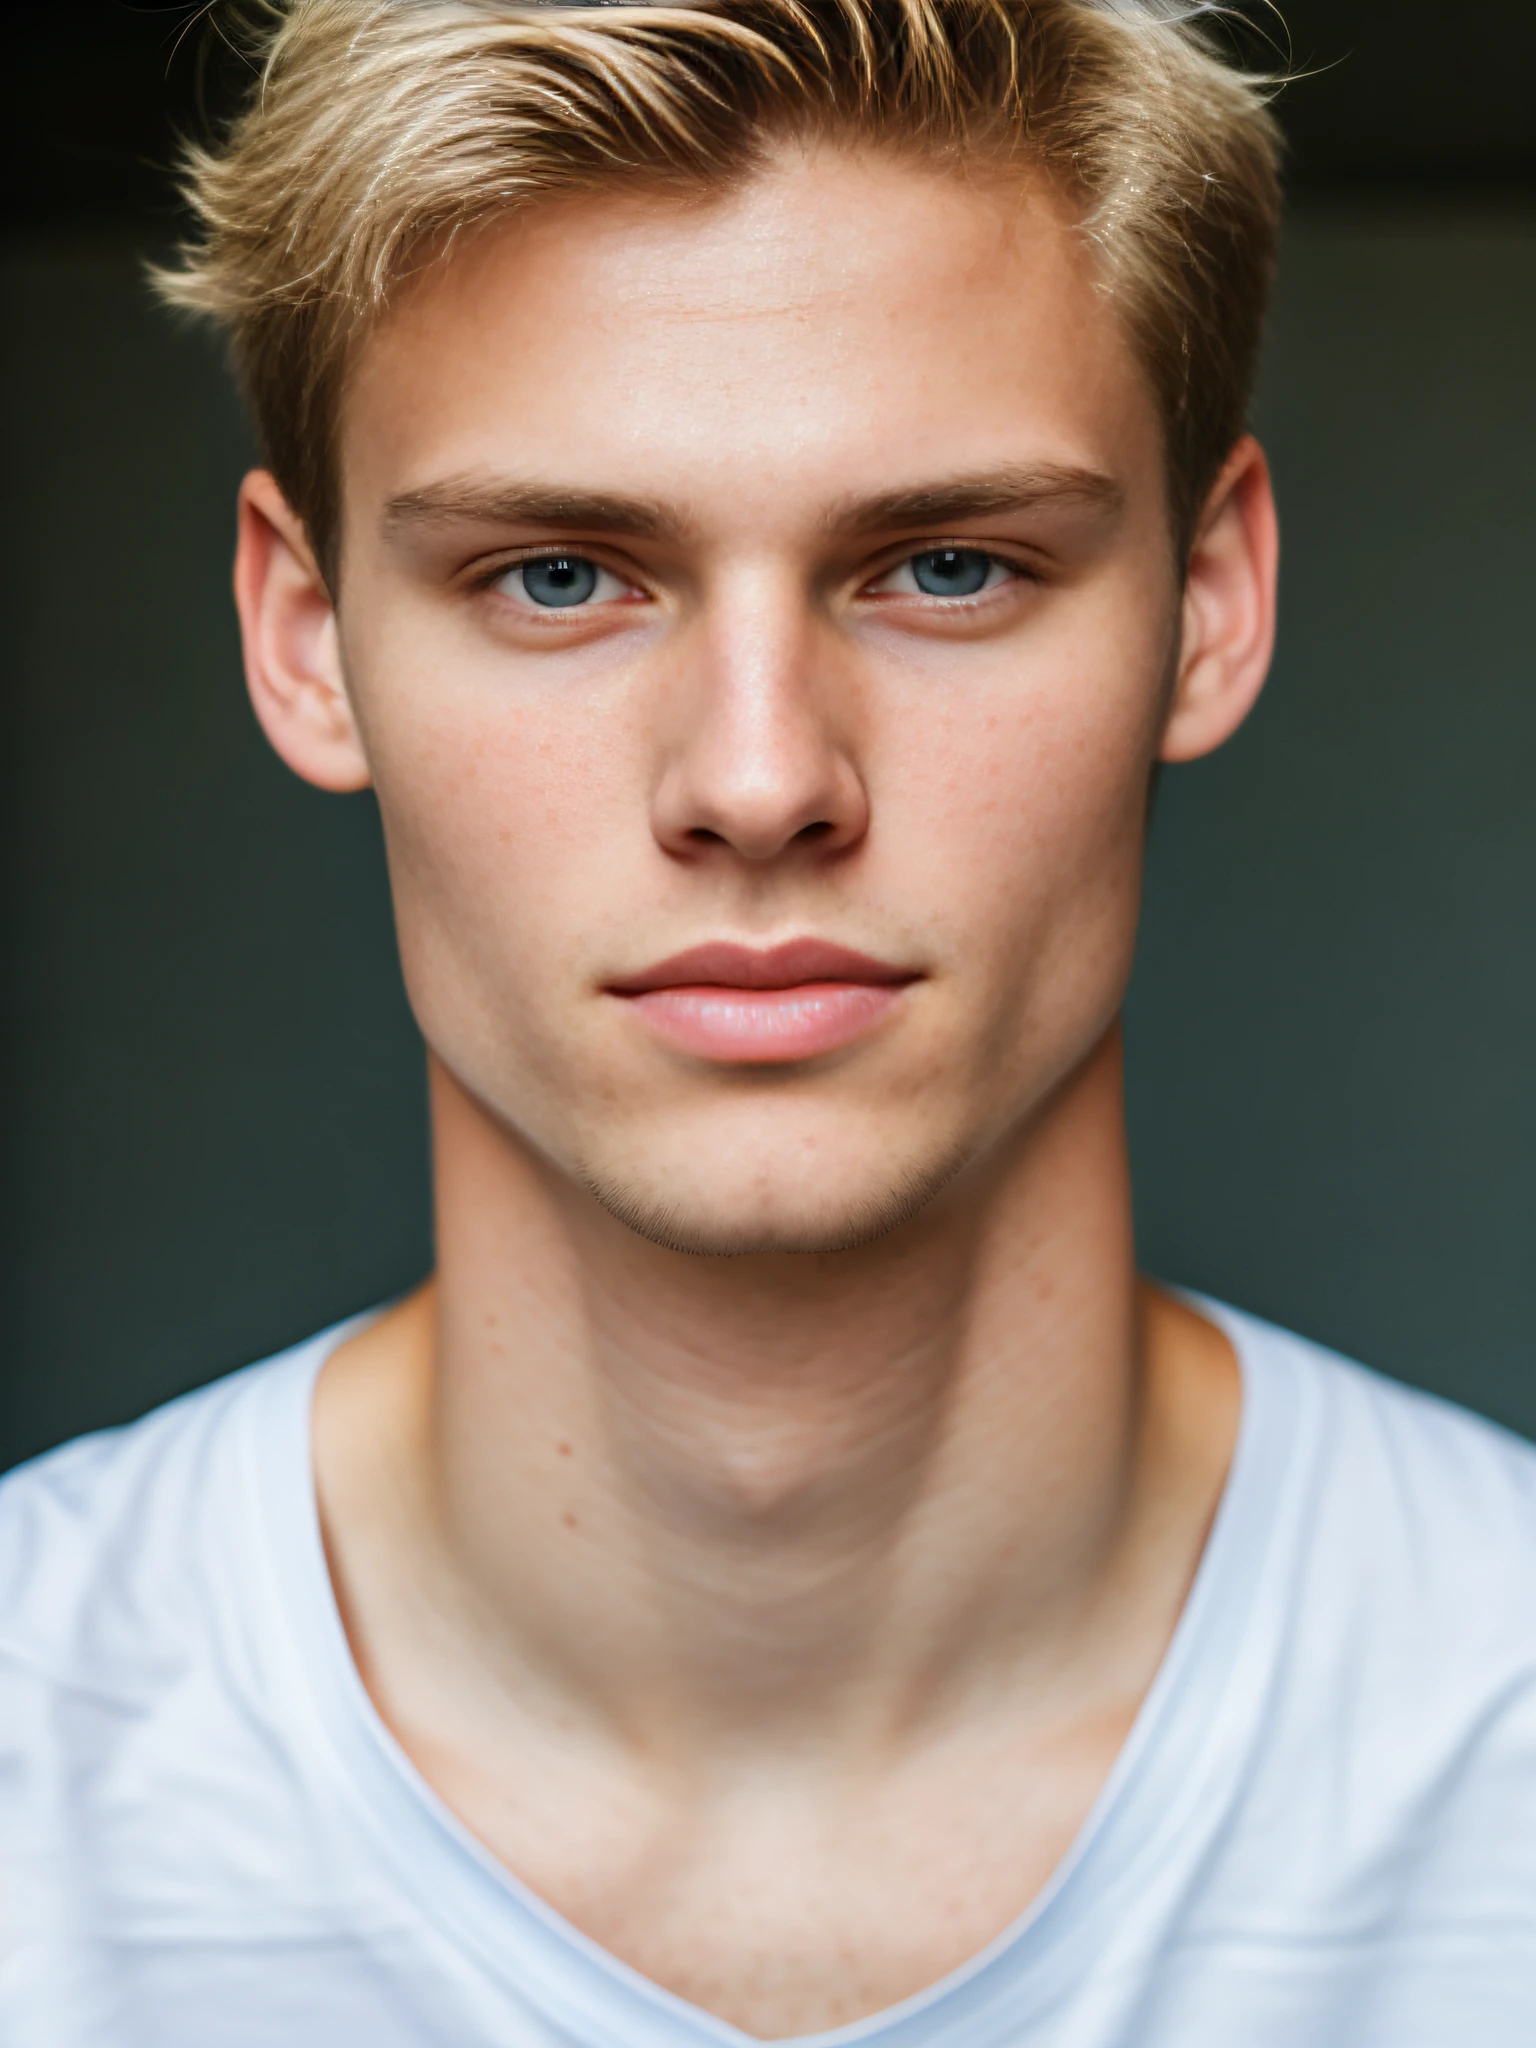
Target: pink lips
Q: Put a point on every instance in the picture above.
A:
(790, 1002)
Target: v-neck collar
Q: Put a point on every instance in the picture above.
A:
(1186, 1747)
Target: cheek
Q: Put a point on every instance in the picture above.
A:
(1033, 821)
(1024, 802)
(508, 823)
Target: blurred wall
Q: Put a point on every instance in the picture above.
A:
(213, 1088)
(1332, 1028)
(212, 1099)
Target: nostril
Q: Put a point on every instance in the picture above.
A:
(818, 830)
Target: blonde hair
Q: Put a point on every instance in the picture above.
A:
(381, 130)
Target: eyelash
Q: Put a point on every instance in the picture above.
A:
(505, 569)
(1016, 572)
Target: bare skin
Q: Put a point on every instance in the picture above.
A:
(764, 1530)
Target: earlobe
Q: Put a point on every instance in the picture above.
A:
(1228, 631)
(292, 653)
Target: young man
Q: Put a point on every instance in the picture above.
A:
(756, 489)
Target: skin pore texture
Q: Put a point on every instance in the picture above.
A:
(763, 1530)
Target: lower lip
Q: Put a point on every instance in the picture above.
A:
(762, 1026)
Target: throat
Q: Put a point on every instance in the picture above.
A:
(792, 1705)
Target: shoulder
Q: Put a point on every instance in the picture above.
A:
(1409, 1533)
(112, 1546)
(1393, 1455)
(1391, 1624)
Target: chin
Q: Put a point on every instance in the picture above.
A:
(685, 1214)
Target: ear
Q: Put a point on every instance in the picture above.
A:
(1228, 634)
(292, 652)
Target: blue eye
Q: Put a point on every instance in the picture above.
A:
(560, 582)
(557, 580)
(951, 572)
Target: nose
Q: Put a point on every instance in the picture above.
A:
(759, 757)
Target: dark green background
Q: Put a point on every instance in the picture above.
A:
(213, 1135)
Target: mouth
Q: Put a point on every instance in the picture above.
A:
(768, 1006)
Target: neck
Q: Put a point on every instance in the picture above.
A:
(711, 1500)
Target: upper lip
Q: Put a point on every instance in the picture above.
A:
(724, 964)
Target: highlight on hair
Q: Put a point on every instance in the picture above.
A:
(379, 132)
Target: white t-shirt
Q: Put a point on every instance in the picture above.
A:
(1321, 1833)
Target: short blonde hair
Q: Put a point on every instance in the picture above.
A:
(379, 131)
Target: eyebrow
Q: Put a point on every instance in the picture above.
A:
(504, 502)
(460, 501)
(978, 497)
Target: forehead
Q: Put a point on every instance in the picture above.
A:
(837, 322)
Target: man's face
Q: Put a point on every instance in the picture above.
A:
(792, 567)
